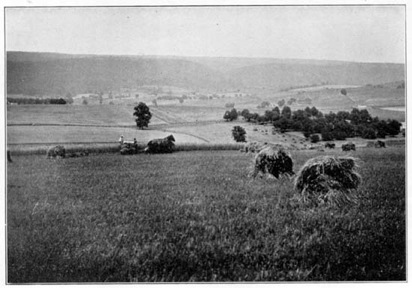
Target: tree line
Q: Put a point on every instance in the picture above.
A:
(27, 101)
(331, 126)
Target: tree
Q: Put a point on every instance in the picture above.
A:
(245, 113)
(315, 112)
(326, 135)
(85, 101)
(283, 124)
(339, 135)
(181, 100)
(233, 114)
(230, 115)
(286, 112)
(254, 116)
(281, 102)
(355, 116)
(307, 128)
(314, 138)
(269, 115)
(261, 119)
(239, 134)
(343, 115)
(343, 91)
(226, 116)
(368, 133)
(365, 117)
(344, 128)
(142, 114)
(393, 127)
(154, 101)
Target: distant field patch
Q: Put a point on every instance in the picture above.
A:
(321, 87)
(397, 108)
(73, 114)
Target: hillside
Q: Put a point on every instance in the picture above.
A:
(59, 75)
(51, 73)
(289, 74)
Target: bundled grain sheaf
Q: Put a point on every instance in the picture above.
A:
(328, 179)
(380, 144)
(56, 152)
(348, 146)
(273, 160)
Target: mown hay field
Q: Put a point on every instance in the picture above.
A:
(196, 216)
(72, 134)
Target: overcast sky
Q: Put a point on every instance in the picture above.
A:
(349, 33)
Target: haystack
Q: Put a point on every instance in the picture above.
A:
(274, 161)
(380, 144)
(56, 152)
(349, 146)
(328, 179)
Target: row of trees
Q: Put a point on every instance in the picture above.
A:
(30, 101)
(331, 126)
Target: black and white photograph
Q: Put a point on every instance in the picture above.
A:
(231, 143)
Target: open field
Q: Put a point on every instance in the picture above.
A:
(76, 134)
(196, 216)
(191, 124)
(109, 115)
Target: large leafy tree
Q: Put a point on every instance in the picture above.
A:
(230, 115)
(239, 134)
(142, 114)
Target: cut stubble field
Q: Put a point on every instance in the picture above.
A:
(196, 216)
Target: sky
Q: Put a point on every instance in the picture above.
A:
(347, 33)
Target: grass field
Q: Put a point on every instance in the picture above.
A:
(69, 134)
(196, 216)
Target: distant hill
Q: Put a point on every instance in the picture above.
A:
(42, 75)
(285, 75)
(53, 73)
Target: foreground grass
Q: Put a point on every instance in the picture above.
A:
(195, 216)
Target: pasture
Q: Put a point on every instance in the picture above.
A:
(196, 216)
